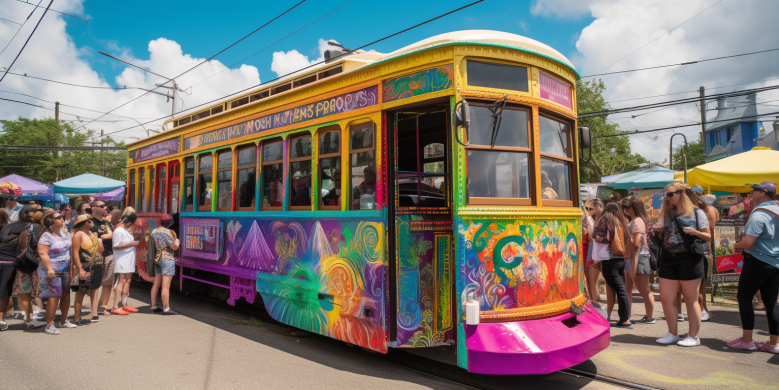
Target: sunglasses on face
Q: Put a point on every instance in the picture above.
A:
(100, 206)
(58, 216)
(671, 194)
(589, 208)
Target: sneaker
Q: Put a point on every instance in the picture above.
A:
(39, 315)
(35, 324)
(52, 330)
(83, 321)
(689, 342)
(119, 312)
(680, 318)
(668, 339)
(168, 312)
(3, 325)
(767, 347)
(130, 309)
(645, 321)
(739, 343)
(156, 310)
(95, 319)
(101, 311)
(67, 324)
(705, 316)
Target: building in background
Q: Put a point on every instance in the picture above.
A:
(734, 129)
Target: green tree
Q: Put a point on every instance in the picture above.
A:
(694, 152)
(610, 155)
(48, 166)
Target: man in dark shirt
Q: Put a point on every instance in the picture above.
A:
(105, 231)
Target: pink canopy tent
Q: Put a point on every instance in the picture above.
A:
(113, 195)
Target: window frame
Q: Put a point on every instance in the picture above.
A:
(141, 189)
(174, 176)
(484, 201)
(196, 196)
(159, 179)
(263, 163)
(238, 168)
(570, 160)
(320, 157)
(499, 62)
(189, 206)
(291, 160)
(216, 176)
(131, 187)
(360, 126)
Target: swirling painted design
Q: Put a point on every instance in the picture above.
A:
(419, 83)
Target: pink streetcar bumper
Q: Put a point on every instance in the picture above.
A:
(536, 346)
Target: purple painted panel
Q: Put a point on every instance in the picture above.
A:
(160, 149)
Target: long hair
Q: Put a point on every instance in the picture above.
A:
(48, 221)
(686, 206)
(698, 201)
(638, 208)
(597, 204)
(612, 214)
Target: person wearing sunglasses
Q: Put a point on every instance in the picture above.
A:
(104, 231)
(54, 271)
(681, 226)
(760, 246)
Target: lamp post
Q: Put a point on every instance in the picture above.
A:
(671, 154)
(175, 86)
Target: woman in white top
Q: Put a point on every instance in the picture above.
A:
(124, 263)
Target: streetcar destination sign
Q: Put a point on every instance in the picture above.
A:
(335, 105)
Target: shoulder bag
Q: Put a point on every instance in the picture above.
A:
(697, 245)
(618, 243)
(600, 251)
(28, 261)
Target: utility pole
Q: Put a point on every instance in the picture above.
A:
(102, 156)
(702, 92)
(57, 111)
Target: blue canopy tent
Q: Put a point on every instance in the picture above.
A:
(86, 184)
(651, 178)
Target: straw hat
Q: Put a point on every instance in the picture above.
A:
(81, 219)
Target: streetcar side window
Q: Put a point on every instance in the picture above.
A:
(205, 166)
(556, 160)
(329, 154)
(499, 158)
(131, 189)
(189, 183)
(152, 182)
(142, 186)
(224, 180)
(272, 174)
(162, 199)
(247, 178)
(300, 172)
(362, 157)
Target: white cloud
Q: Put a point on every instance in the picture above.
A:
(290, 61)
(562, 9)
(52, 54)
(622, 26)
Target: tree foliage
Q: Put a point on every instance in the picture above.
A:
(48, 166)
(610, 155)
(694, 152)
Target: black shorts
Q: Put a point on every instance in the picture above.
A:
(95, 278)
(684, 270)
(7, 276)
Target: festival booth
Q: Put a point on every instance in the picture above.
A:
(87, 184)
(27, 189)
(731, 179)
(647, 185)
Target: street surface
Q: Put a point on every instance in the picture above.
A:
(212, 347)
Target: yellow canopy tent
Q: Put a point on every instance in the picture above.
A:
(735, 173)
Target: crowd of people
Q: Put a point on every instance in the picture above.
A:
(90, 252)
(626, 248)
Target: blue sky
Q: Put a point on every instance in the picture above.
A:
(203, 28)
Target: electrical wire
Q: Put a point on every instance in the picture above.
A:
(20, 28)
(71, 84)
(204, 61)
(26, 42)
(688, 125)
(683, 63)
(708, 89)
(59, 12)
(11, 21)
(266, 47)
(321, 62)
(666, 33)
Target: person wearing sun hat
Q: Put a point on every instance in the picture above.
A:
(760, 247)
(88, 265)
(166, 242)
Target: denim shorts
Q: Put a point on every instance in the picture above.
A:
(166, 267)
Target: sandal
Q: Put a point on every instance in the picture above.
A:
(623, 325)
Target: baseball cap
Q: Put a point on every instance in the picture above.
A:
(697, 188)
(766, 187)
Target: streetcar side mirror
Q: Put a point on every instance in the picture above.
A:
(585, 141)
(462, 115)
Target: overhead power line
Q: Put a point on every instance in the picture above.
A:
(11, 21)
(683, 63)
(675, 102)
(59, 12)
(321, 62)
(26, 147)
(687, 125)
(26, 42)
(73, 85)
(20, 29)
(666, 33)
(202, 62)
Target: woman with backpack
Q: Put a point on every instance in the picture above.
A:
(637, 257)
(611, 237)
(684, 230)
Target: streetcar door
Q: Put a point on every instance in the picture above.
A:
(420, 226)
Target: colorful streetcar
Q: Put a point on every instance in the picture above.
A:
(420, 198)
